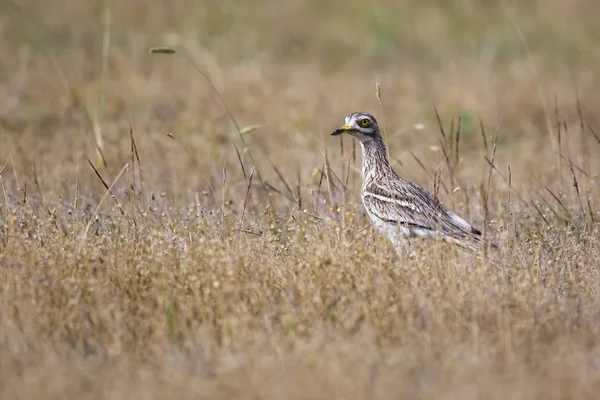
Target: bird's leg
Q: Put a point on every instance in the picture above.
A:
(401, 243)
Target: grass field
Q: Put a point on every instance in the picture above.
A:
(229, 261)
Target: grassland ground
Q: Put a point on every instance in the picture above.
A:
(163, 235)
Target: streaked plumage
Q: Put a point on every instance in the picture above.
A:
(396, 206)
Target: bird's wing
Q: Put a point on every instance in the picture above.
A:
(393, 208)
(404, 203)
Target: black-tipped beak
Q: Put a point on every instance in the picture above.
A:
(342, 129)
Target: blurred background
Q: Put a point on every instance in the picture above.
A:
(75, 76)
(194, 280)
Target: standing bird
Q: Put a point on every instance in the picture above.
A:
(396, 206)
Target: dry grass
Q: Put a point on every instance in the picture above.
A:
(195, 280)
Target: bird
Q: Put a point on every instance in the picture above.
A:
(397, 207)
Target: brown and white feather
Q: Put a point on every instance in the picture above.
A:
(399, 207)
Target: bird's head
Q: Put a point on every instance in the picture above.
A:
(362, 126)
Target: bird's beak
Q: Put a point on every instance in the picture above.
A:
(342, 129)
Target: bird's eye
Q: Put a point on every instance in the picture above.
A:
(364, 122)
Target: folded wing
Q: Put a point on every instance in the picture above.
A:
(408, 205)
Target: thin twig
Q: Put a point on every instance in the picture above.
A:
(359, 230)
(247, 194)
(559, 201)
(483, 135)
(108, 191)
(487, 194)
(576, 186)
(593, 132)
(282, 179)
(241, 162)
(519, 195)
(106, 186)
(5, 194)
(316, 208)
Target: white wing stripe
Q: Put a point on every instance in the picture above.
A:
(401, 203)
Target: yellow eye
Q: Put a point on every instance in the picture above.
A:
(364, 122)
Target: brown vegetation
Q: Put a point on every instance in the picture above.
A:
(229, 262)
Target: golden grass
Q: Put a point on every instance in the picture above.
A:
(204, 274)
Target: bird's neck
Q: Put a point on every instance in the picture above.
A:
(374, 156)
